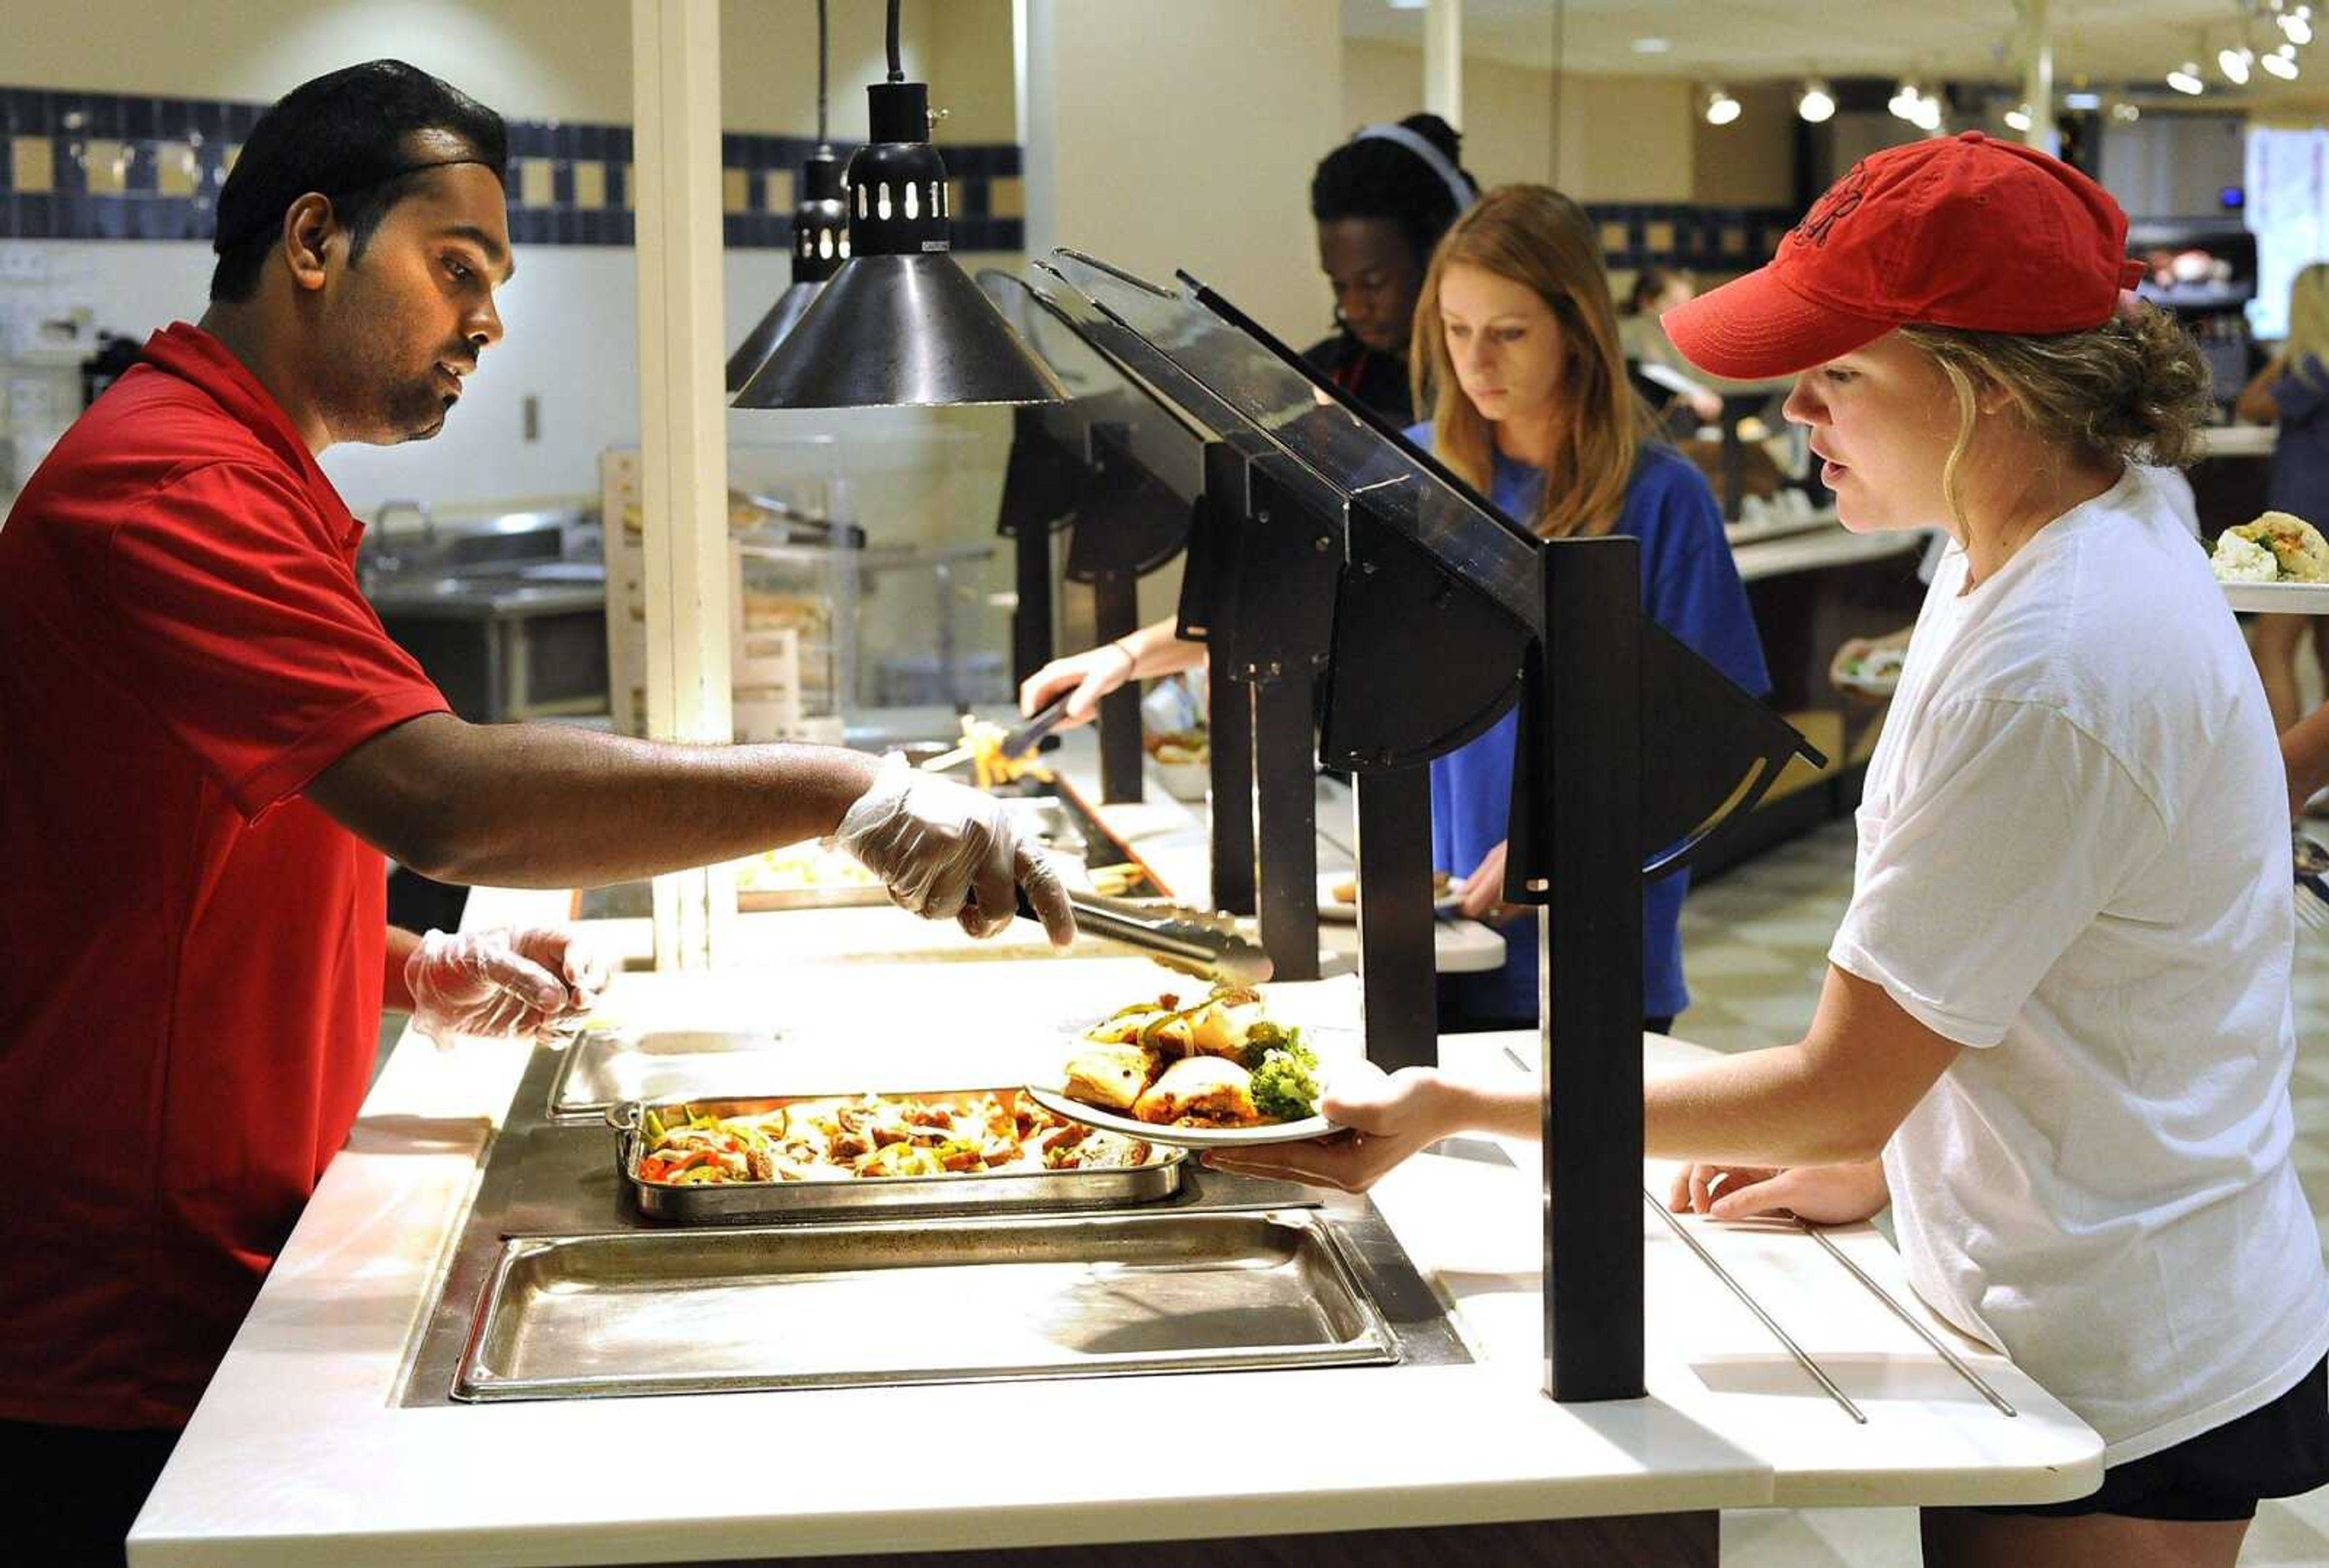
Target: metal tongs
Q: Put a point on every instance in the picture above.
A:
(1191, 940)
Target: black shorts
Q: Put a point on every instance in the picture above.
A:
(2277, 1450)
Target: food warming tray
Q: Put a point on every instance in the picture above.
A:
(729, 1203)
(948, 1300)
(604, 1067)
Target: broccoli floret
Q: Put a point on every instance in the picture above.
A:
(1286, 1084)
(1264, 1037)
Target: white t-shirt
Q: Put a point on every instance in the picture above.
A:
(2074, 857)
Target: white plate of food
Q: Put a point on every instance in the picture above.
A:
(1214, 1072)
(1876, 673)
(1338, 896)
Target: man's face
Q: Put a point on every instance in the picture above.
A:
(1375, 278)
(400, 325)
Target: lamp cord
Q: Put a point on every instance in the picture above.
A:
(821, 138)
(896, 72)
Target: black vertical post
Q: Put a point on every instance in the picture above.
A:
(1285, 762)
(1589, 767)
(1229, 707)
(1116, 612)
(1396, 924)
(1031, 614)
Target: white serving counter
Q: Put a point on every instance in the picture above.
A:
(303, 1449)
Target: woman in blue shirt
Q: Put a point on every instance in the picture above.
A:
(1516, 354)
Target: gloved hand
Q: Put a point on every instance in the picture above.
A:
(948, 852)
(515, 983)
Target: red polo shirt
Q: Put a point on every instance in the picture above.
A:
(191, 953)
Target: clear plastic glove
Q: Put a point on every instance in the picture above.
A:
(1087, 676)
(511, 984)
(948, 852)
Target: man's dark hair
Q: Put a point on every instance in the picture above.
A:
(1375, 177)
(348, 136)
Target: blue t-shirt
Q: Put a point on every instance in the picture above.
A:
(1691, 587)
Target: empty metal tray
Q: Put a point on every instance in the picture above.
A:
(604, 1067)
(950, 1300)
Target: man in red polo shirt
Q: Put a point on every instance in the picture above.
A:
(209, 745)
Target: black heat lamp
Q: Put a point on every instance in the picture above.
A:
(820, 241)
(898, 323)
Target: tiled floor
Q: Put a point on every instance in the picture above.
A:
(1755, 945)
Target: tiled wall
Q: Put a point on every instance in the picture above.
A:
(92, 166)
(1702, 239)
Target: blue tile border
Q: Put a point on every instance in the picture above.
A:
(1697, 240)
(146, 124)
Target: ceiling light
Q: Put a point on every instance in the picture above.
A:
(2281, 62)
(1928, 116)
(2126, 113)
(2018, 118)
(1651, 46)
(2185, 79)
(1903, 101)
(1816, 103)
(1721, 109)
(2233, 61)
(2297, 25)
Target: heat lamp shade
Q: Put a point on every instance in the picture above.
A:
(899, 332)
(761, 341)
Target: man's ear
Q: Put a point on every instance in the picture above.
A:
(308, 226)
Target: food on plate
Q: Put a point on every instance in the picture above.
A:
(2299, 551)
(1221, 1062)
(844, 1138)
(1347, 890)
(1200, 1091)
(1112, 1075)
(1878, 669)
(1174, 747)
(2239, 559)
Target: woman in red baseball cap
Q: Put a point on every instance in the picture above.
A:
(2054, 1034)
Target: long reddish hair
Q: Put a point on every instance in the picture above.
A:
(1535, 236)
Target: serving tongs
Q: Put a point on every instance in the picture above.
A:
(1191, 940)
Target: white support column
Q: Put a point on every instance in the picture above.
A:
(682, 422)
(2038, 78)
(1443, 59)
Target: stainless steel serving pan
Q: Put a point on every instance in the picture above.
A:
(946, 1300)
(729, 1203)
(604, 1067)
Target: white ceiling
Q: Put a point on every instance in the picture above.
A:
(2113, 43)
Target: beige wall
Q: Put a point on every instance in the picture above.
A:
(1183, 134)
(1751, 161)
(1622, 138)
(530, 58)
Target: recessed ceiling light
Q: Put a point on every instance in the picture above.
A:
(1651, 46)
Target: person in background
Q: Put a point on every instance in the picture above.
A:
(2292, 392)
(1381, 202)
(1663, 379)
(1516, 354)
(2054, 1034)
(212, 749)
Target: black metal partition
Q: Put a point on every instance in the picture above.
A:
(1111, 470)
(1349, 581)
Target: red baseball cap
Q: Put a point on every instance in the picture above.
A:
(1964, 232)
